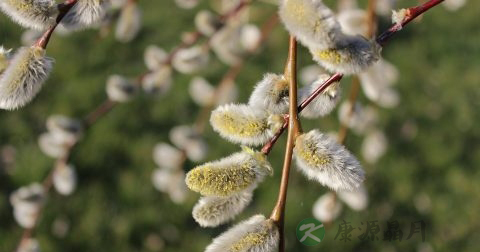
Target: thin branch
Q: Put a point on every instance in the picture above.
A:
(278, 213)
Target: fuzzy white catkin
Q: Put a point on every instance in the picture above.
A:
(24, 77)
(256, 234)
(207, 22)
(356, 200)
(250, 37)
(242, 124)
(454, 5)
(181, 135)
(324, 103)
(65, 179)
(310, 73)
(34, 14)
(230, 175)
(361, 120)
(271, 94)
(186, 4)
(212, 211)
(159, 81)
(85, 13)
(129, 23)
(196, 149)
(191, 60)
(201, 91)
(154, 57)
(377, 82)
(227, 45)
(167, 156)
(311, 22)
(64, 129)
(120, 89)
(26, 202)
(52, 146)
(171, 182)
(29, 245)
(327, 208)
(321, 158)
(353, 21)
(374, 146)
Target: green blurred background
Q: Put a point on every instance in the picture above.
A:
(116, 208)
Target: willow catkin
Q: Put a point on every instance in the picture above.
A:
(24, 77)
(227, 176)
(244, 124)
(4, 58)
(256, 234)
(129, 23)
(321, 158)
(325, 102)
(34, 14)
(211, 211)
(85, 13)
(120, 89)
(271, 94)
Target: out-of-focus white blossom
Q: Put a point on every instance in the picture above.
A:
(26, 202)
(167, 156)
(227, 44)
(310, 73)
(353, 21)
(158, 81)
(171, 182)
(65, 129)
(129, 22)
(207, 23)
(325, 102)
(374, 146)
(29, 245)
(196, 150)
(356, 200)
(52, 146)
(191, 60)
(377, 84)
(120, 89)
(201, 91)
(4, 59)
(385, 7)
(65, 179)
(30, 36)
(360, 120)
(186, 4)
(454, 5)
(181, 135)
(154, 57)
(327, 208)
(250, 37)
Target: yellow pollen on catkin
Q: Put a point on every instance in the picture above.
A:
(308, 151)
(330, 55)
(296, 10)
(240, 126)
(250, 240)
(210, 180)
(33, 54)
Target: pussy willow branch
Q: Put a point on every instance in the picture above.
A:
(107, 105)
(278, 213)
(63, 9)
(381, 40)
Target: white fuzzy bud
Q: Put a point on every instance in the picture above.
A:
(196, 149)
(311, 22)
(349, 55)
(327, 208)
(171, 182)
(227, 44)
(191, 60)
(356, 200)
(310, 73)
(52, 146)
(167, 156)
(374, 146)
(271, 94)
(26, 202)
(159, 81)
(256, 234)
(65, 179)
(250, 37)
(230, 175)
(154, 57)
(34, 14)
(321, 158)
(181, 135)
(454, 5)
(360, 120)
(201, 91)
(207, 22)
(65, 129)
(242, 124)
(354, 21)
(398, 16)
(129, 23)
(377, 83)
(85, 13)
(120, 89)
(325, 102)
(24, 77)
(212, 211)
(29, 245)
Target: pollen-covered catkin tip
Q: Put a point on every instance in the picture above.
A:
(321, 158)
(235, 173)
(255, 234)
(242, 124)
(34, 14)
(212, 211)
(24, 77)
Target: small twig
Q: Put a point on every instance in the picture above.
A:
(278, 213)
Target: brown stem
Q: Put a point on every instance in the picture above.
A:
(99, 112)
(278, 213)
(63, 9)
(412, 13)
